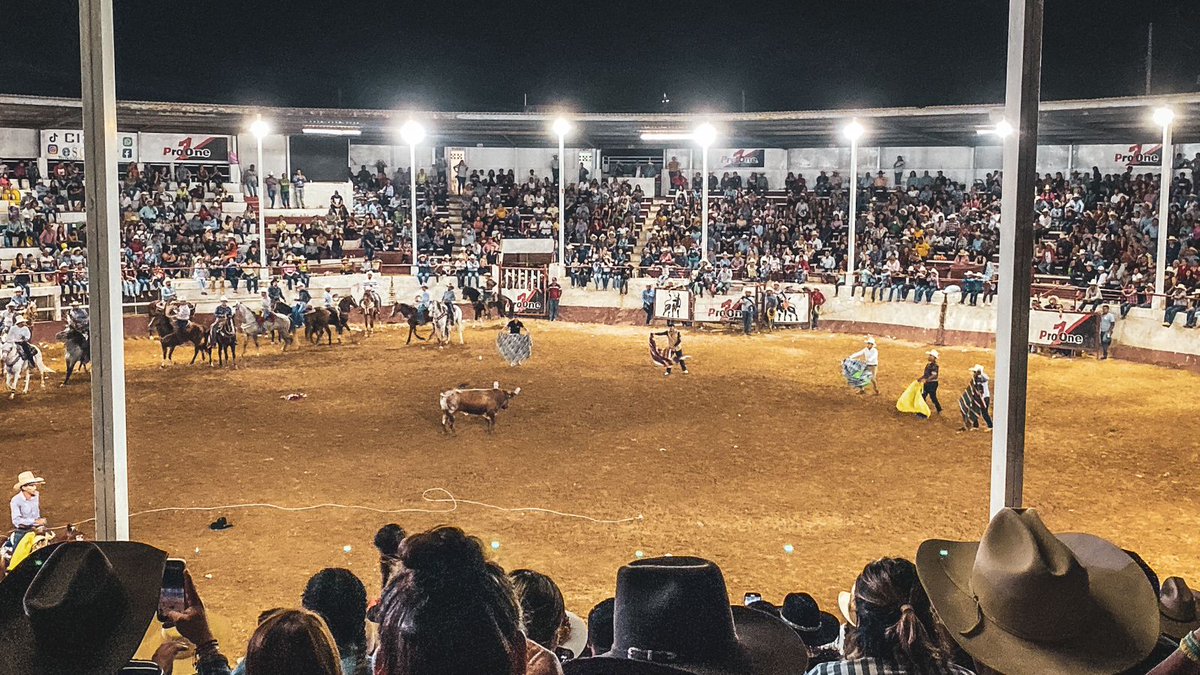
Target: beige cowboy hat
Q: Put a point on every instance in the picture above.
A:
(21, 319)
(933, 353)
(870, 340)
(27, 478)
(1024, 601)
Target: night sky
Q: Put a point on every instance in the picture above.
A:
(613, 56)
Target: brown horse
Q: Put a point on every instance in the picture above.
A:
(321, 320)
(410, 317)
(503, 305)
(170, 337)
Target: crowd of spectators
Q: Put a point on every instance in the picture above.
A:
(1018, 600)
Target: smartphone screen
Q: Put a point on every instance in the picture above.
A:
(171, 599)
(751, 598)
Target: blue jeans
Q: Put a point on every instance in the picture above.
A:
(747, 322)
(552, 307)
(1172, 312)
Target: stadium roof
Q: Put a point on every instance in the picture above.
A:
(1109, 120)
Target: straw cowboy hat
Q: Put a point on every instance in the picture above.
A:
(1024, 601)
(27, 478)
(672, 617)
(1177, 608)
(80, 608)
(933, 353)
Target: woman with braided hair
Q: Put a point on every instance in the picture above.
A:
(892, 630)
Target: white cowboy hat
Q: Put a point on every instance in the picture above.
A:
(27, 478)
(577, 640)
(224, 299)
(933, 353)
(976, 368)
(21, 319)
(870, 340)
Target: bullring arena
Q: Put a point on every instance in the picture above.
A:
(760, 447)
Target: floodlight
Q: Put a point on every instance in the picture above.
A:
(704, 135)
(1164, 116)
(412, 132)
(260, 128)
(853, 131)
(562, 127)
(1003, 128)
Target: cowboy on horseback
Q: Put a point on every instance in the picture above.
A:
(8, 317)
(371, 287)
(78, 319)
(489, 287)
(222, 319)
(264, 309)
(301, 307)
(20, 299)
(330, 300)
(19, 335)
(448, 298)
(181, 313)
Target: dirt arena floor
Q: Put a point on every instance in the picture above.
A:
(761, 447)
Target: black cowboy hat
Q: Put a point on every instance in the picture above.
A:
(672, 617)
(78, 607)
(1177, 608)
(815, 627)
(1024, 601)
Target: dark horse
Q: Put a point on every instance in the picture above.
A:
(171, 338)
(410, 317)
(78, 349)
(320, 320)
(503, 306)
(223, 336)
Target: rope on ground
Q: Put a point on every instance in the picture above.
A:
(431, 495)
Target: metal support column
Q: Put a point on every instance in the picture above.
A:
(1164, 218)
(1022, 93)
(852, 216)
(704, 204)
(109, 461)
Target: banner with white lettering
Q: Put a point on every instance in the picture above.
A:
(742, 158)
(526, 287)
(1140, 155)
(1064, 330)
(672, 304)
(198, 148)
(67, 145)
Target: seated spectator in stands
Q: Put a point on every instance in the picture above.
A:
(338, 597)
(80, 607)
(293, 642)
(450, 611)
(600, 628)
(1023, 600)
(543, 612)
(892, 626)
(1177, 301)
(1092, 298)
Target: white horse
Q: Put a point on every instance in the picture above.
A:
(14, 366)
(247, 322)
(445, 321)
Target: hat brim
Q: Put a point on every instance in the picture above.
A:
(1177, 629)
(1119, 636)
(576, 640)
(137, 569)
(769, 647)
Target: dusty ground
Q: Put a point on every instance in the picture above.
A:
(760, 447)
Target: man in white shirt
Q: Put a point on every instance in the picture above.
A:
(25, 508)
(870, 356)
(19, 335)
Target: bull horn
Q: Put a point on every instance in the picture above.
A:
(496, 385)
(516, 391)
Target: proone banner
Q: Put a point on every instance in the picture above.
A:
(173, 148)
(526, 287)
(1064, 330)
(742, 158)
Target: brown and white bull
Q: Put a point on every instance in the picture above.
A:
(480, 402)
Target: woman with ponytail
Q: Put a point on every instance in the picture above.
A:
(893, 630)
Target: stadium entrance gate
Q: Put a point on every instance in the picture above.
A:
(526, 287)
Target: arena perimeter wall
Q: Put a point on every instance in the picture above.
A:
(1141, 337)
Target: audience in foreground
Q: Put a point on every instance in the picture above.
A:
(1020, 601)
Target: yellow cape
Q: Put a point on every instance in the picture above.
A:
(911, 400)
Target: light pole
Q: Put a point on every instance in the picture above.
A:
(412, 133)
(260, 129)
(853, 131)
(562, 127)
(1163, 117)
(704, 135)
